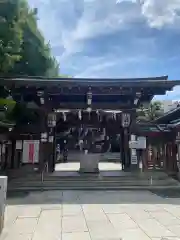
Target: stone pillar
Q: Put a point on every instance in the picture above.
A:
(3, 192)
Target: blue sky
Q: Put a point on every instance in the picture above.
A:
(113, 38)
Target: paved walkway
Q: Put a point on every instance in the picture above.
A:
(96, 215)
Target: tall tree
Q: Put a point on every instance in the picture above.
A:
(36, 58)
(10, 34)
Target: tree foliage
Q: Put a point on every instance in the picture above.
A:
(153, 111)
(23, 50)
(10, 34)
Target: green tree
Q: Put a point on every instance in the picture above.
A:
(36, 58)
(153, 111)
(23, 50)
(10, 34)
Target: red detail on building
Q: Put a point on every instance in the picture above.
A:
(31, 152)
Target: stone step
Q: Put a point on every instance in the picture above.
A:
(71, 180)
(97, 187)
(75, 175)
(85, 184)
(74, 180)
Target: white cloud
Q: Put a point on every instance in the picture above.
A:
(160, 12)
(94, 69)
(70, 24)
(98, 17)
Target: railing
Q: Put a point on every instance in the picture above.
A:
(45, 169)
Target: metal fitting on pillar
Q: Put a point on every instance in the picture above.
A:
(136, 100)
(89, 112)
(89, 98)
(51, 121)
(40, 94)
(64, 116)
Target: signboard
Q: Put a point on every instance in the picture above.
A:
(133, 144)
(30, 151)
(139, 144)
(126, 119)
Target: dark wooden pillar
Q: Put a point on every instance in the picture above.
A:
(125, 151)
(174, 159)
(13, 153)
(3, 156)
(9, 155)
(47, 144)
(41, 155)
(168, 157)
(51, 123)
(122, 149)
(127, 162)
(145, 158)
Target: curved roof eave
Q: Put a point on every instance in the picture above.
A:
(86, 79)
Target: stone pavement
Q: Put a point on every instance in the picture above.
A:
(96, 215)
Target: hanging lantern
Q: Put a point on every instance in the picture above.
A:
(79, 115)
(126, 119)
